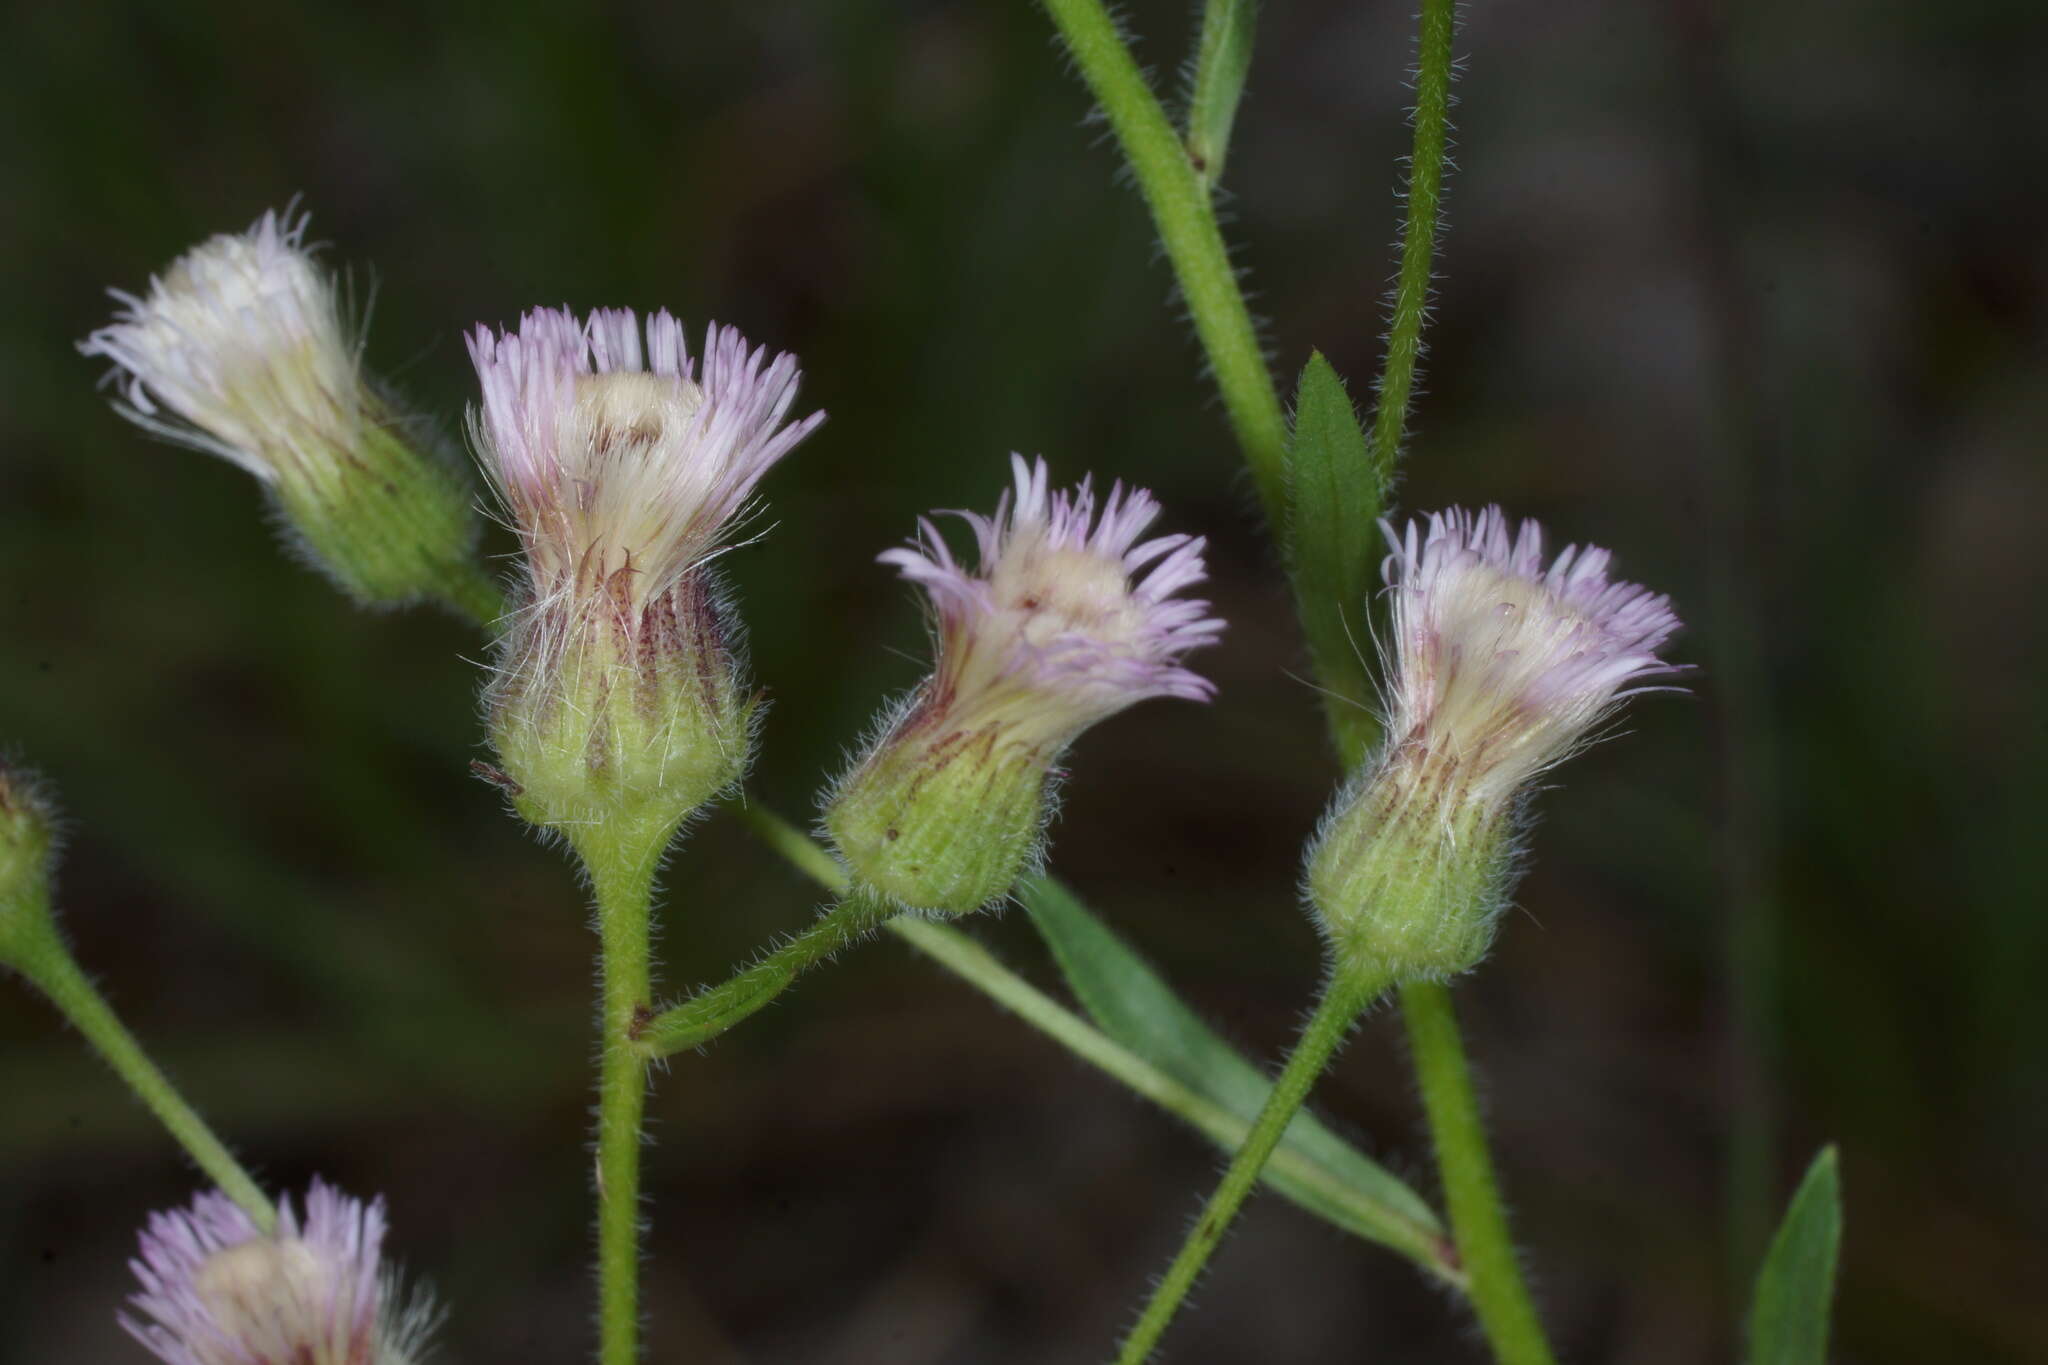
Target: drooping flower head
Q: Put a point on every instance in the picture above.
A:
(240, 349)
(218, 1291)
(624, 465)
(1067, 618)
(1503, 663)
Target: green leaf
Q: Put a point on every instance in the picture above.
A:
(1221, 61)
(1313, 1166)
(1335, 494)
(1788, 1323)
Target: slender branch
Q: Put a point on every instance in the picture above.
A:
(974, 964)
(1502, 1301)
(1223, 55)
(711, 1012)
(1326, 1031)
(622, 865)
(1418, 244)
(52, 969)
(473, 593)
(1181, 210)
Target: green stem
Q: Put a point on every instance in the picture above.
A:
(622, 865)
(1477, 1218)
(975, 965)
(1327, 1029)
(474, 594)
(1418, 243)
(49, 965)
(710, 1013)
(1181, 210)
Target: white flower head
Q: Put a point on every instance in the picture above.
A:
(1504, 664)
(239, 349)
(217, 1291)
(616, 456)
(1068, 617)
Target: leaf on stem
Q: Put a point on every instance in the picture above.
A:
(1335, 495)
(1131, 1003)
(1222, 59)
(1788, 1322)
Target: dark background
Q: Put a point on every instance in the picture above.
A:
(1752, 293)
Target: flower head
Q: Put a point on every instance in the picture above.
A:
(1066, 619)
(620, 461)
(624, 465)
(239, 349)
(217, 1291)
(1503, 663)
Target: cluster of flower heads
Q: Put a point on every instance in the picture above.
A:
(617, 457)
(1503, 663)
(217, 1290)
(1068, 617)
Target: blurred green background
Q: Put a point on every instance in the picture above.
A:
(1752, 293)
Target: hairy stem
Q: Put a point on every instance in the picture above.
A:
(1418, 239)
(1326, 1031)
(622, 865)
(710, 1013)
(1478, 1219)
(1179, 201)
(51, 968)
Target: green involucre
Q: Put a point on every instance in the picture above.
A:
(940, 821)
(1407, 878)
(605, 711)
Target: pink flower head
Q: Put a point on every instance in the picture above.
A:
(217, 1291)
(1068, 617)
(1503, 664)
(614, 457)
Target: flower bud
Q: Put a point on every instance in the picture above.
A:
(619, 691)
(1061, 625)
(1501, 669)
(240, 350)
(28, 842)
(217, 1291)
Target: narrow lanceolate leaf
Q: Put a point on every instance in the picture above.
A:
(1788, 1323)
(1313, 1166)
(1335, 495)
(1221, 61)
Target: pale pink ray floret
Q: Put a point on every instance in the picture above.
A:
(1503, 664)
(216, 1290)
(1067, 617)
(613, 449)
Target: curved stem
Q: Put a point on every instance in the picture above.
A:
(622, 868)
(706, 1015)
(1477, 1218)
(1326, 1031)
(57, 974)
(1181, 210)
